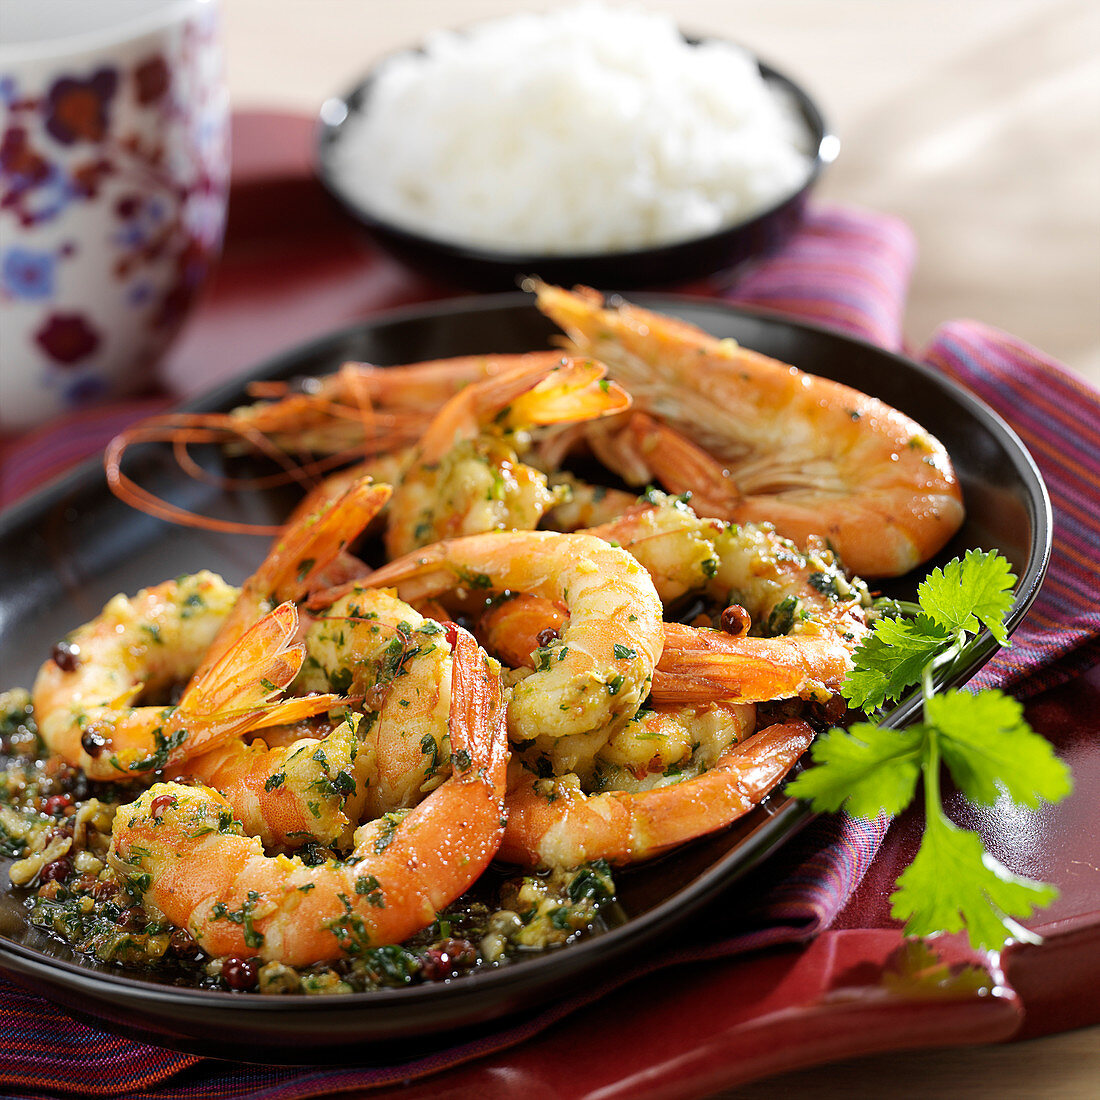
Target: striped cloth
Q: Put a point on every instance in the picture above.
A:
(848, 268)
(1057, 415)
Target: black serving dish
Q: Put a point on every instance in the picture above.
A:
(664, 265)
(72, 546)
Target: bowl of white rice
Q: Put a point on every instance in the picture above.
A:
(589, 144)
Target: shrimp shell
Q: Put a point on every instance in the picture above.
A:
(810, 455)
(552, 822)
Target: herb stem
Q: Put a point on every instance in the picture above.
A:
(933, 807)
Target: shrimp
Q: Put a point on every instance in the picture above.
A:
(552, 822)
(698, 665)
(588, 683)
(466, 478)
(311, 789)
(804, 598)
(807, 454)
(85, 694)
(364, 407)
(378, 648)
(289, 794)
(293, 793)
(373, 647)
(180, 847)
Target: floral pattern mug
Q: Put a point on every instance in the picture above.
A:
(113, 186)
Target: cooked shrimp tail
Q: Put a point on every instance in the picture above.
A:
(241, 691)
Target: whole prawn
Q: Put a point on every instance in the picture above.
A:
(588, 682)
(554, 823)
(766, 442)
(180, 847)
(85, 694)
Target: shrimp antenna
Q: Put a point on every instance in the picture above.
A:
(183, 430)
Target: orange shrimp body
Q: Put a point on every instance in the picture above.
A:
(804, 598)
(465, 476)
(181, 847)
(588, 683)
(138, 649)
(697, 665)
(553, 823)
(807, 454)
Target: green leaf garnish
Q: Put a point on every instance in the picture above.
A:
(983, 739)
(954, 883)
(990, 749)
(874, 769)
(891, 659)
(977, 588)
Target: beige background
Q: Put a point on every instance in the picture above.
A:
(975, 120)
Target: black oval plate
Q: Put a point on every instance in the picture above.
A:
(72, 546)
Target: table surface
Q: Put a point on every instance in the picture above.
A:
(977, 125)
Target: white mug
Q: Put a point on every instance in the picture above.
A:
(113, 182)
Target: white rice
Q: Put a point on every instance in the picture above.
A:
(583, 130)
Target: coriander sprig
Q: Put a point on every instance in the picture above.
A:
(982, 738)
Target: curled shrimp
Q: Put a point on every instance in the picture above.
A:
(807, 454)
(553, 822)
(465, 476)
(85, 694)
(392, 750)
(379, 649)
(586, 684)
(814, 613)
(181, 848)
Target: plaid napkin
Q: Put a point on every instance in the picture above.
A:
(848, 269)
